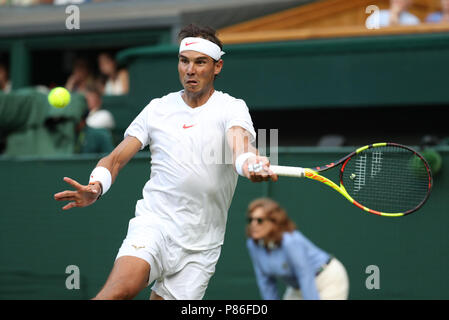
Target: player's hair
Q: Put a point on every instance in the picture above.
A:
(276, 214)
(193, 30)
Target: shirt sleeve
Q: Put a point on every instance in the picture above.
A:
(302, 268)
(433, 17)
(238, 115)
(139, 128)
(267, 285)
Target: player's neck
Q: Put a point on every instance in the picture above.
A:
(194, 100)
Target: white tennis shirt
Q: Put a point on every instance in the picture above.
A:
(192, 178)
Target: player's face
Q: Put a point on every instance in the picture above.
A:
(259, 226)
(197, 71)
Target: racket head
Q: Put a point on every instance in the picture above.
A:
(387, 179)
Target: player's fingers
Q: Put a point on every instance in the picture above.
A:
(264, 176)
(65, 194)
(255, 177)
(266, 166)
(73, 183)
(66, 199)
(273, 176)
(69, 206)
(91, 189)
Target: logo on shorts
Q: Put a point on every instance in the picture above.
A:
(138, 247)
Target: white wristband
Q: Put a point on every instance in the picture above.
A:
(241, 160)
(102, 175)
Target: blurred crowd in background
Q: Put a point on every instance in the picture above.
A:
(398, 14)
(94, 79)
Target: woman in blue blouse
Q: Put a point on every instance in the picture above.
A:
(280, 252)
(440, 16)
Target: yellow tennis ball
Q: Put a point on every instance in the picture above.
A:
(59, 97)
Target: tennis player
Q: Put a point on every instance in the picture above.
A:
(279, 251)
(176, 237)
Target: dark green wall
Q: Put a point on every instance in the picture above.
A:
(367, 87)
(400, 70)
(38, 240)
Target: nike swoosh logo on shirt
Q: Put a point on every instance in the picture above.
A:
(187, 127)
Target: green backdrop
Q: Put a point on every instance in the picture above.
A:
(38, 240)
(401, 70)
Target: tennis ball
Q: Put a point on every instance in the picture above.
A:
(59, 97)
(433, 159)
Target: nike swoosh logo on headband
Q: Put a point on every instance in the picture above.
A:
(189, 43)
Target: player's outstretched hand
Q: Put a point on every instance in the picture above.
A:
(257, 169)
(83, 195)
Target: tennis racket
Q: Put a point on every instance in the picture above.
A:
(387, 179)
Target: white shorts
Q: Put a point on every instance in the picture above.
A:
(180, 274)
(332, 284)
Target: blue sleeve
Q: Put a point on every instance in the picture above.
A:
(433, 17)
(267, 285)
(302, 268)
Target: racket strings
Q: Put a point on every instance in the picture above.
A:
(388, 179)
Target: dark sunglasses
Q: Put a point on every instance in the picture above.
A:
(259, 220)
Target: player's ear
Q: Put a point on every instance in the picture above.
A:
(218, 66)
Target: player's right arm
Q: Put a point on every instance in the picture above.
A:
(85, 195)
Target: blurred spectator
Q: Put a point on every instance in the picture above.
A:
(81, 76)
(92, 140)
(440, 16)
(5, 84)
(396, 15)
(117, 81)
(97, 117)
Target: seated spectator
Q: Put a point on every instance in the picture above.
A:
(92, 140)
(116, 79)
(5, 84)
(97, 117)
(440, 16)
(81, 77)
(396, 15)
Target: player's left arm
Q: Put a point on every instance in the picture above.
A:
(256, 167)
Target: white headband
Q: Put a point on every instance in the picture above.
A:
(201, 45)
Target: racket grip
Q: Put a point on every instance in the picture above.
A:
(297, 172)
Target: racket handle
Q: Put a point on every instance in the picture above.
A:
(288, 171)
